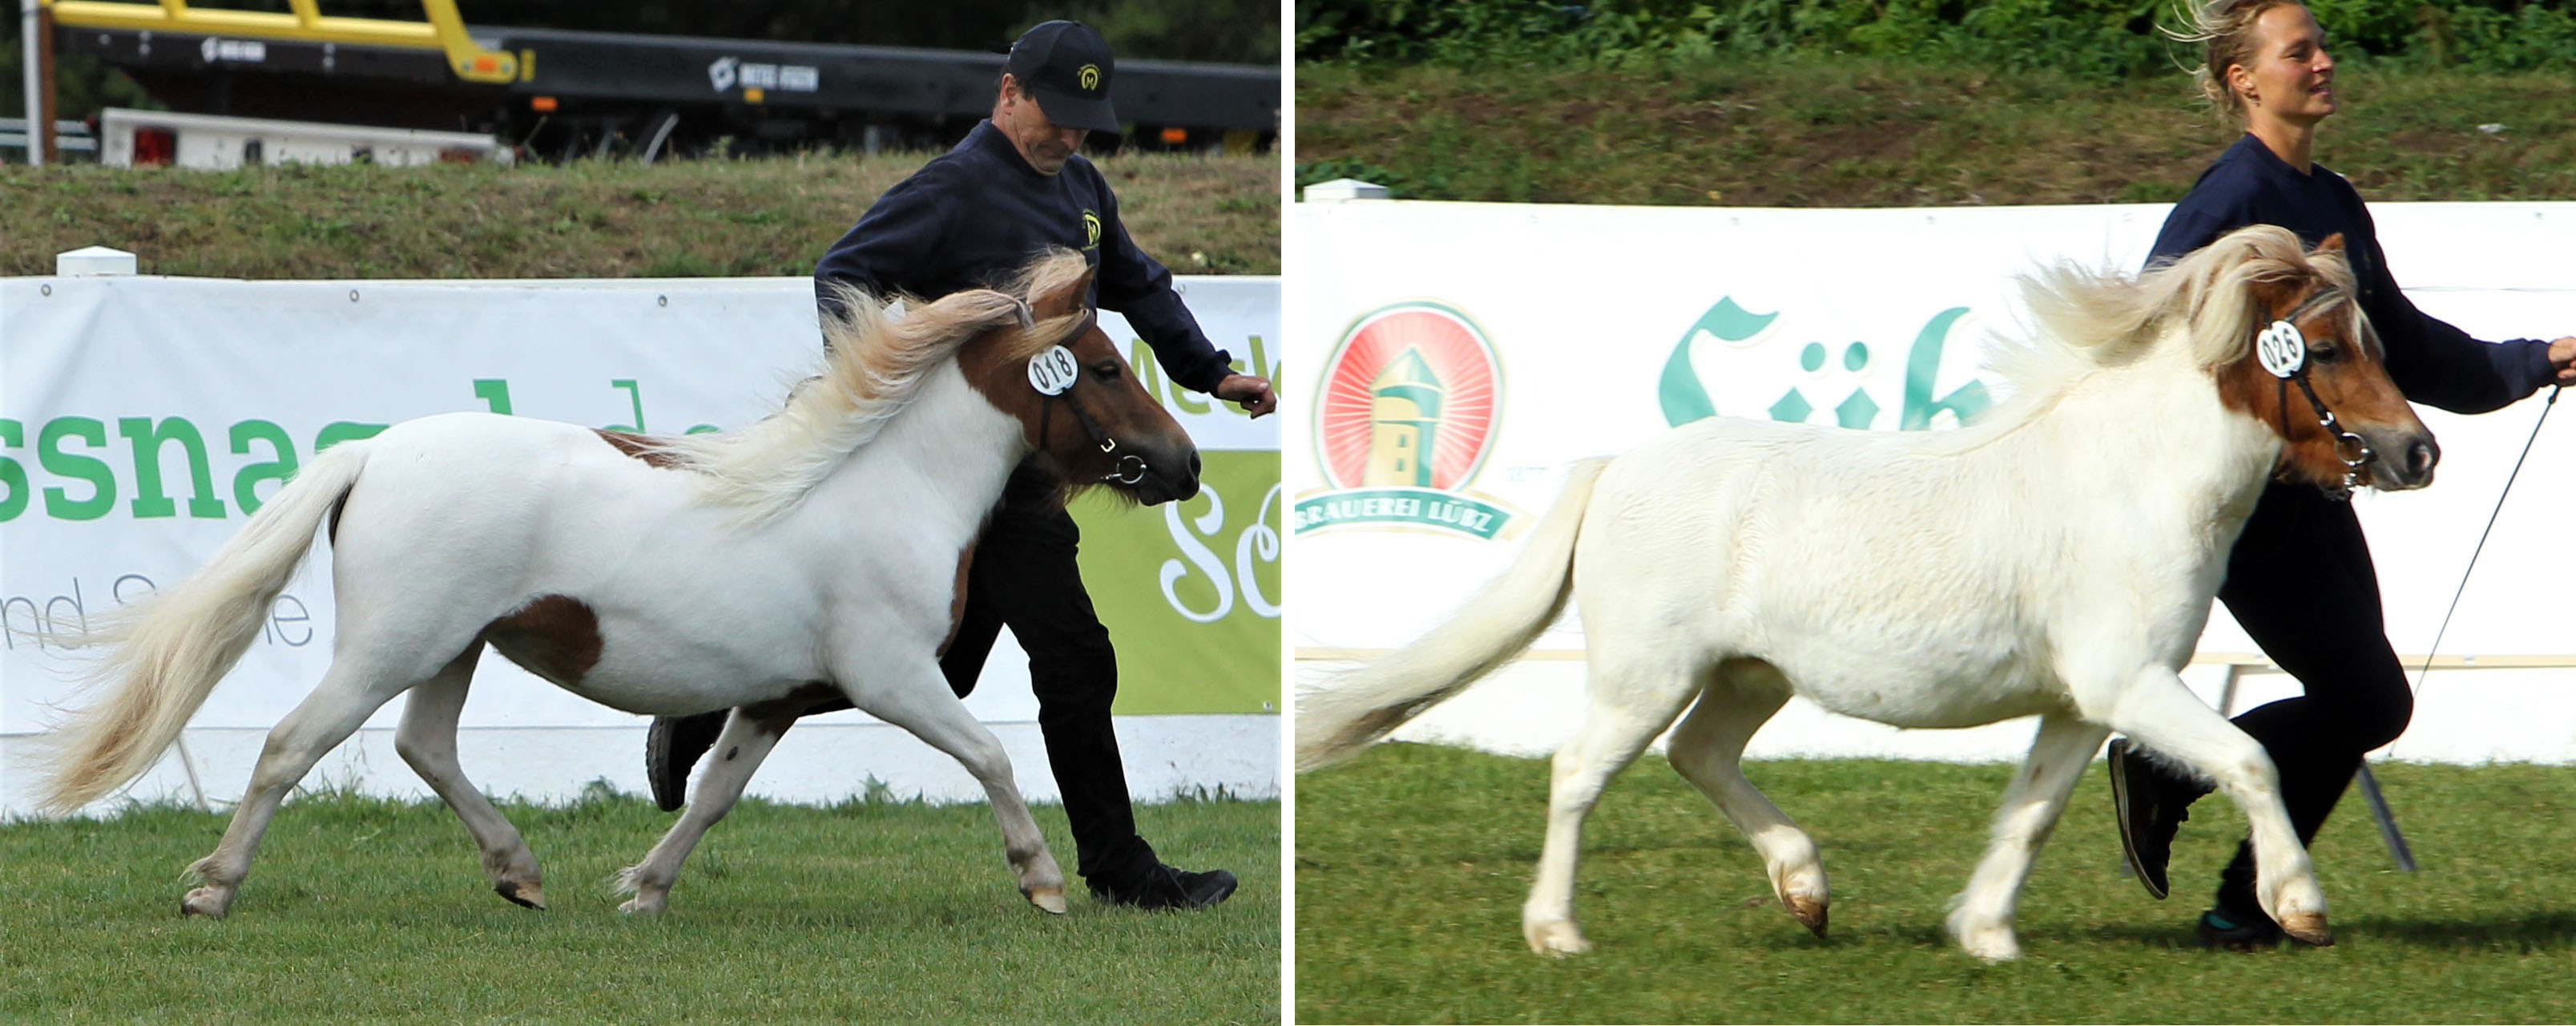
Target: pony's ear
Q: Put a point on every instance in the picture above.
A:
(2332, 244)
(1066, 299)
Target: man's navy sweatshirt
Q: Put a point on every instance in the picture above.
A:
(2432, 362)
(976, 215)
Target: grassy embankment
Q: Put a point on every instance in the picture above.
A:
(1200, 215)
(363, 910)
(1413, 860)
(1854, 133)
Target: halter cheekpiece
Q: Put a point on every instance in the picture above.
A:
(1053, 372)
(2282, 349)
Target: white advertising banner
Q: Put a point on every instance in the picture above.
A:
(1518, 338)
(142, 417)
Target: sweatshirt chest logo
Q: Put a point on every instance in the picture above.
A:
(1090, 230)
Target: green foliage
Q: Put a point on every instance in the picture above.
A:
(2094, 40)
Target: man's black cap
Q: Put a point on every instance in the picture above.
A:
(1066, 66)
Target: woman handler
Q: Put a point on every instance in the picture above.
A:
(2300, 579)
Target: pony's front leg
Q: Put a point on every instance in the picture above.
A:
(1983, 920)
(748, 736)
(916, 698)
(2164, 716)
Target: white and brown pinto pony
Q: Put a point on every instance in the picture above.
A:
(831, 537)
(2056, 559)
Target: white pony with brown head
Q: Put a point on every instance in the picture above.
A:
(817, 553)
(2057, 559)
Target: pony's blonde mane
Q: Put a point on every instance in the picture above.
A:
(873, 366)
(2085, 319)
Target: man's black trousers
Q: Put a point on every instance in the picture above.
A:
(2300, 581)
(1024, 576)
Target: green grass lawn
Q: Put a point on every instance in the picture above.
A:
(360, 909)
(587, 219)
(1412, 862)
(1849, 132)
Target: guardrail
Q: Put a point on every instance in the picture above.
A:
(69, 137)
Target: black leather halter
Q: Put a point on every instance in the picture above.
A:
(1130, 467)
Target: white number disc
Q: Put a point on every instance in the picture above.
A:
(2281, 349)
(1053, 371)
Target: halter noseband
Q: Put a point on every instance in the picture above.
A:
(2349, 447)
(1130, 468)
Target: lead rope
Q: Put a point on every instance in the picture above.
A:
(2369, 784)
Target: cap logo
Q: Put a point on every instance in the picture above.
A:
(1090, 78)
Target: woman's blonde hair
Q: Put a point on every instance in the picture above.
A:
(2225, 30)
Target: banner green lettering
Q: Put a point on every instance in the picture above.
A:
(150, 500)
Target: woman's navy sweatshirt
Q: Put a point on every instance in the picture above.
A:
(2432, 362)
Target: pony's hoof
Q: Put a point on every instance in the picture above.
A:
(1556, 940)
(526, 894)
(2308, 928)
(1047, 899)
(637, 906)
(1808, 911)
(205, 901)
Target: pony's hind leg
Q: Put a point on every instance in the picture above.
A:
(427, 740)
(1632, 701)
(917, 699)
(748, 736)
(1708, 750)
(349, 694)
(1983, 920)
(2160, 713)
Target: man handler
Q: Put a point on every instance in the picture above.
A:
(970, 219)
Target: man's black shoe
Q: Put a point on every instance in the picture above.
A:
(1165, 887)
(671, 747)
(2237, 932)
(2149, 812)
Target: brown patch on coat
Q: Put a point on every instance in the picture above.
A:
(638, 446)
(957, 594)
(553, 636)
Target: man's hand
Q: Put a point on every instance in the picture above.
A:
(1257, 398)
(2562, 355)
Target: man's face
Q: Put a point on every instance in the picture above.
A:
(1043, 143)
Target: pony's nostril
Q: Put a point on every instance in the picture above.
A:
(2421, 456)
(1194, 464)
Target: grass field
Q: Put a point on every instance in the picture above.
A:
(1876, 133)
(1412, 862)
(367, 910)
(588, 219)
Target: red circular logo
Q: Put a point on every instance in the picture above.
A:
(1409, 399)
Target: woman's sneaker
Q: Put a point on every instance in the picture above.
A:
(2149, 812)
(2237, 932)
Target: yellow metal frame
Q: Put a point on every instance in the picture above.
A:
(442, 29)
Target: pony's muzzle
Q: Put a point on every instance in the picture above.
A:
(1169, 477)
(2403, 459)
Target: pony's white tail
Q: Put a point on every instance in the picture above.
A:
(163, 655)
(1492, 629)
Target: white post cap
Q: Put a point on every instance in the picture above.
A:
(93, 262)
(1345, 189)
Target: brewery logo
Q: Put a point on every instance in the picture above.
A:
(1406, 416)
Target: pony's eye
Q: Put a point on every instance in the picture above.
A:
(1105, 370)
(2328, 351)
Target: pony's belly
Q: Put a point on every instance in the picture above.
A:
(1899, 695)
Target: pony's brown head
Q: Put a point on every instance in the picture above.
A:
(1078, 402)
(2311, 369)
